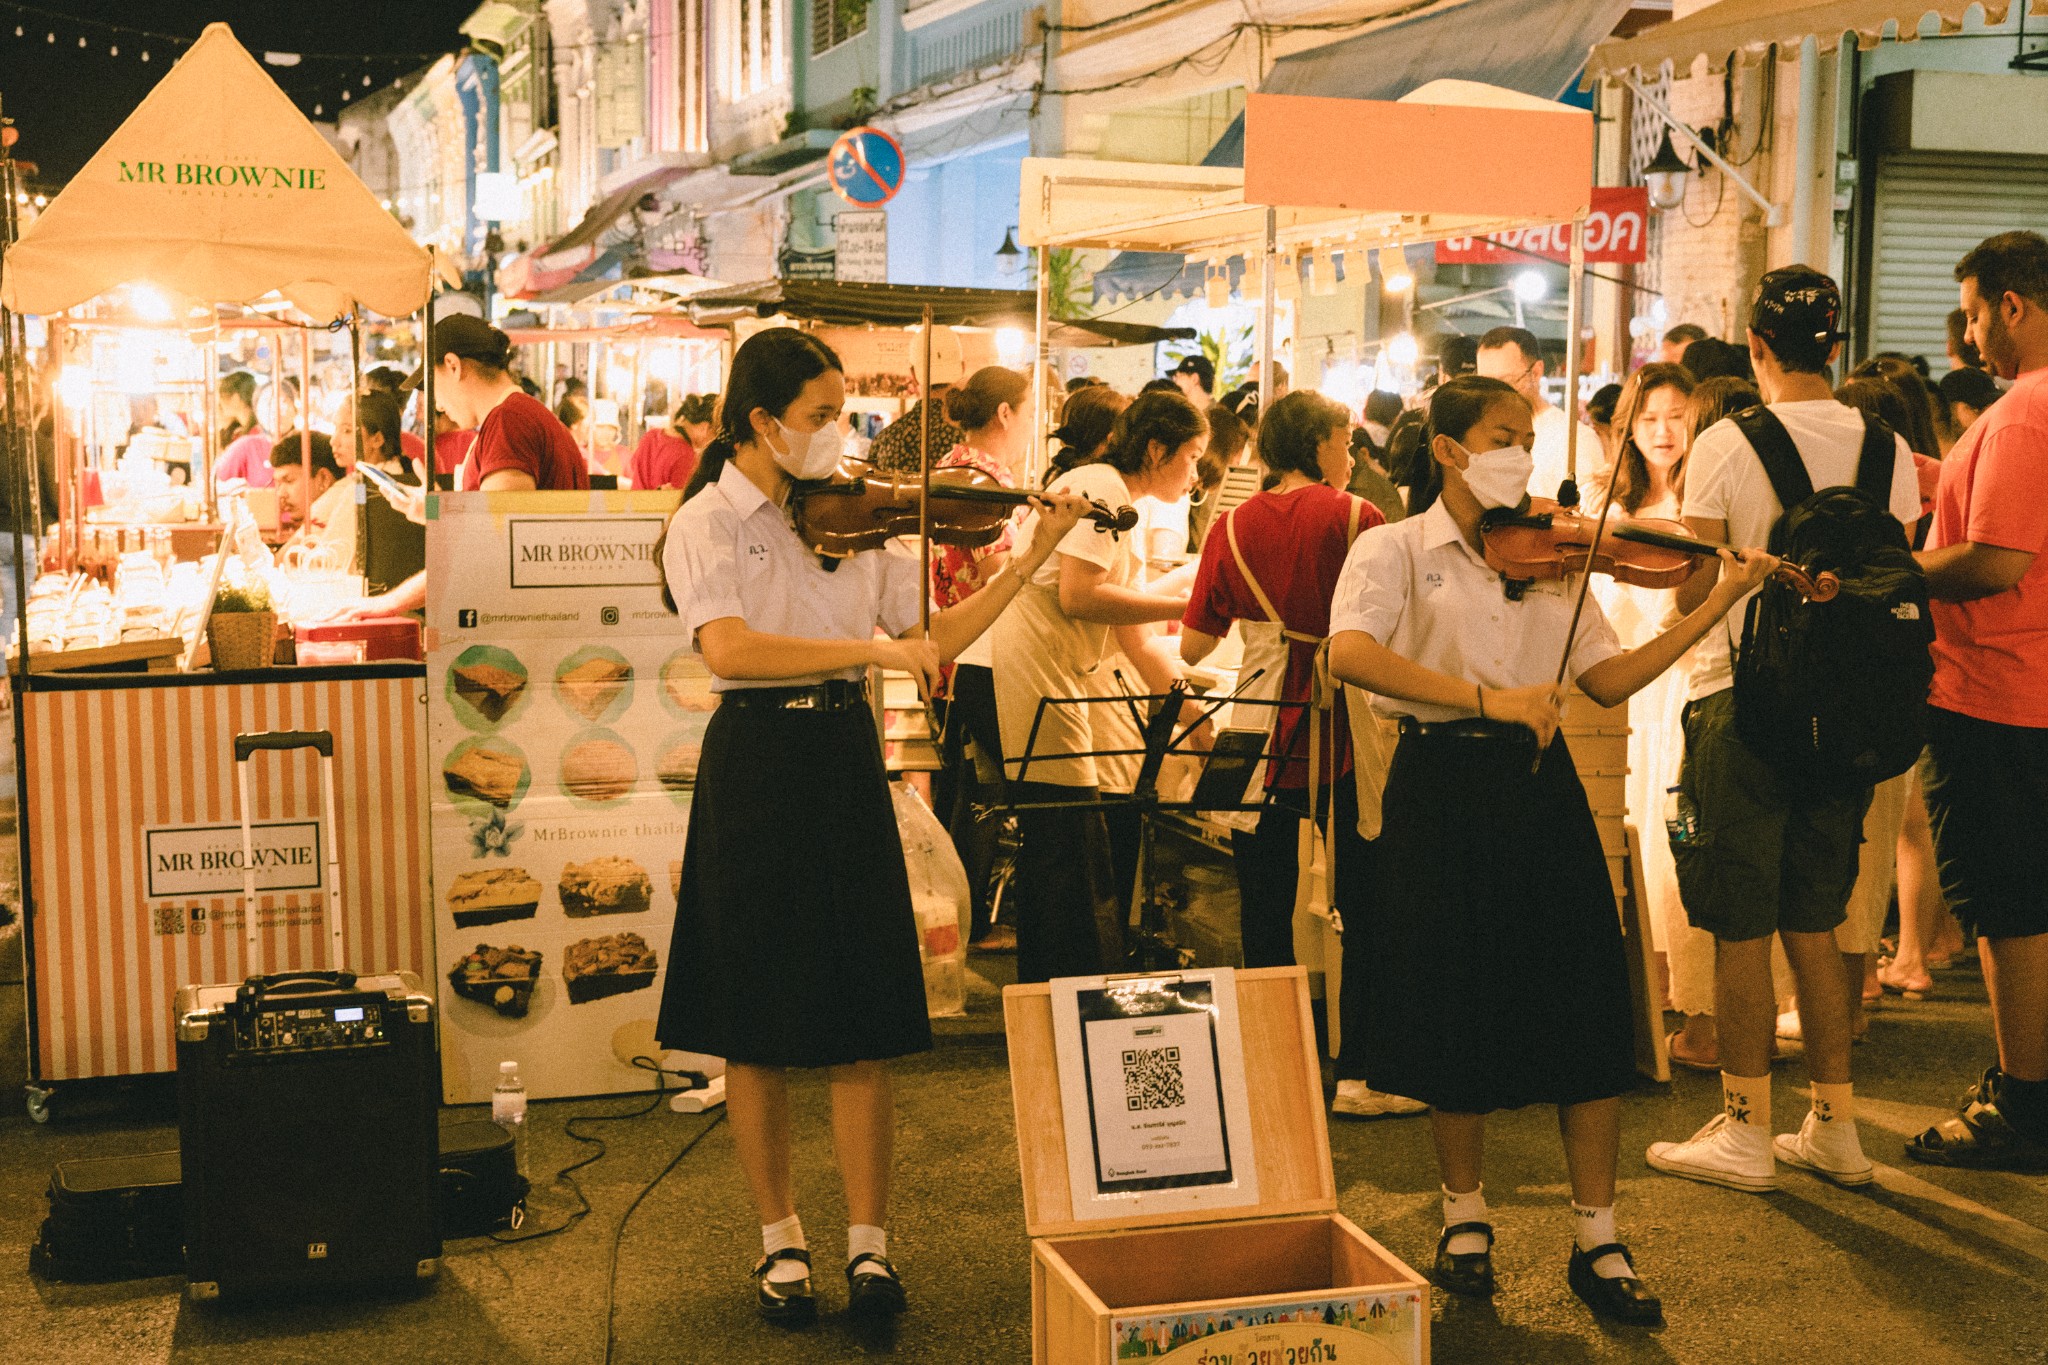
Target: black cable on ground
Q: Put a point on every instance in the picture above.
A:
(567, 1176)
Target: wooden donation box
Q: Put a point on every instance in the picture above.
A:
(1177, 1180)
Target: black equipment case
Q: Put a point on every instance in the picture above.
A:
(307, 1109)
(112, 1218)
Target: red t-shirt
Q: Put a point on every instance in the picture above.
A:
(520, 433)
(661, 460)
(1295, 543)
(1991, 655)
(411, 446)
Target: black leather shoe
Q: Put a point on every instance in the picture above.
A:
(788, 1303)
(1621, 1298)
(1469, 1272)
(872, 1290)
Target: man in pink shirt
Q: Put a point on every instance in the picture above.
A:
(1987, 783)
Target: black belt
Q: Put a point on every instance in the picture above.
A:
(834, 694)
(1473, 728)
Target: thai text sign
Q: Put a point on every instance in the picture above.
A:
(1617, 231)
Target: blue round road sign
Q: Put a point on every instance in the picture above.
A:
(866, 167)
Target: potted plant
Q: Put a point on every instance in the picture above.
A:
(242, 630)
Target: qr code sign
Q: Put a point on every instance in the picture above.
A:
(1153, 1079)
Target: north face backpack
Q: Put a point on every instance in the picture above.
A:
(1833, 695)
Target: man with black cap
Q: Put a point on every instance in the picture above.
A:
(1757, 860)
(520, 445)
(1196, 378)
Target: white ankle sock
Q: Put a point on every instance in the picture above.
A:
(1466, 1208)
(865, 1239)
(1595, 1228)
(778, 1236)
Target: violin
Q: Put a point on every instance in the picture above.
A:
(1546, 541)
(865, 508)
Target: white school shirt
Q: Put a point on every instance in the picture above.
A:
(1725, 481)
(732, 552)
(1418, 588)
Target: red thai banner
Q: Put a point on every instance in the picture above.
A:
(1616, 232)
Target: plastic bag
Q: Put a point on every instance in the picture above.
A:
(939, 895)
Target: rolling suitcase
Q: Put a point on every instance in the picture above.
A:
(307, 1107)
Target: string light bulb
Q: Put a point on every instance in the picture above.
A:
(145, 54)
(17, 30)
(49, 37)
(114, 51)
(81, 40)
(366, 80)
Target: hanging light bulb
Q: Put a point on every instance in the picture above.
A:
(49, 37)
(17, 30)
(1664, 177)
(366, 80)
(114, 51)
(81, 40)
(317, 111)
(1395, 276)
(145, 54)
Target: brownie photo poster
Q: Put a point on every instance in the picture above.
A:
(566, 712)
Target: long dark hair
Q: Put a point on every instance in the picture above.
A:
(1085, 423)
(1291, 430)
(1922, 425)
(1457, 406)
(1162, 416)
(1724, 395)
(1631, 470)
(769, 372)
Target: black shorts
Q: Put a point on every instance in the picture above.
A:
(1987, 797)
(1761, 858)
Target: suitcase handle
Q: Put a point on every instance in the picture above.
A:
(290, 983)
(323, 740)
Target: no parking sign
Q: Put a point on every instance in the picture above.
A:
(866, 167)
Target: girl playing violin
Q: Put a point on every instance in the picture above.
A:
(795, 943)
(1501, 980)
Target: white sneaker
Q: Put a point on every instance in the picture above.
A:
(1722, 1153)
(1788, 1026)
(1832, 1151)
(1355, 1099)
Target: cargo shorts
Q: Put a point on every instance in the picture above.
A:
(1754, 858)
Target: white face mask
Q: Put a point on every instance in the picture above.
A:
(1499, 478)
(810, 454)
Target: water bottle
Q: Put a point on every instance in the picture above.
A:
(1681, 822)
(508, 1106)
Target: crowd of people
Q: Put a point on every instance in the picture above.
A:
(1485, 963)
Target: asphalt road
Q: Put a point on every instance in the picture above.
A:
(1930, 1266)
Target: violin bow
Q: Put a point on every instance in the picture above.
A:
(1571, 635)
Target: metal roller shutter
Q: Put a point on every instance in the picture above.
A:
(1931, 208)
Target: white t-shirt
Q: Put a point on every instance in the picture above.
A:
(1162, 532)
(1549, 455)
(1725, 481)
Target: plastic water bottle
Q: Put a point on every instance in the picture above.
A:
(508, 1106)
(1681, 822)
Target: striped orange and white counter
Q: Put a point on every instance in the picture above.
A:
(129, 814)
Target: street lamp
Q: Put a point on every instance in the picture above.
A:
(1009, 259)
(1665, 176)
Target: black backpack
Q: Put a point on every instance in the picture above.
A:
(1834, 694)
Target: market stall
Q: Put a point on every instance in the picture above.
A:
(215, 191)
(1324, 176)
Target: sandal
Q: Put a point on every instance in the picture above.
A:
(789, 1303)
(1000, 938)
(1908, 987)
(1689, 1063)
(1979, 1138)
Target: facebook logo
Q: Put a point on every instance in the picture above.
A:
(466, 618)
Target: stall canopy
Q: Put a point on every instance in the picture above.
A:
(1453, 159)
(903, 305)
(1746, 29)
(1535, 46)
(217, 190)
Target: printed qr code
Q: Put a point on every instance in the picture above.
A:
(169, 919)
(1153, 1079)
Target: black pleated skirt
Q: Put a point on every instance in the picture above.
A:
(795, 942)
(1498, 978)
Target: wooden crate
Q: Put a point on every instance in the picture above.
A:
(1268, 1281)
